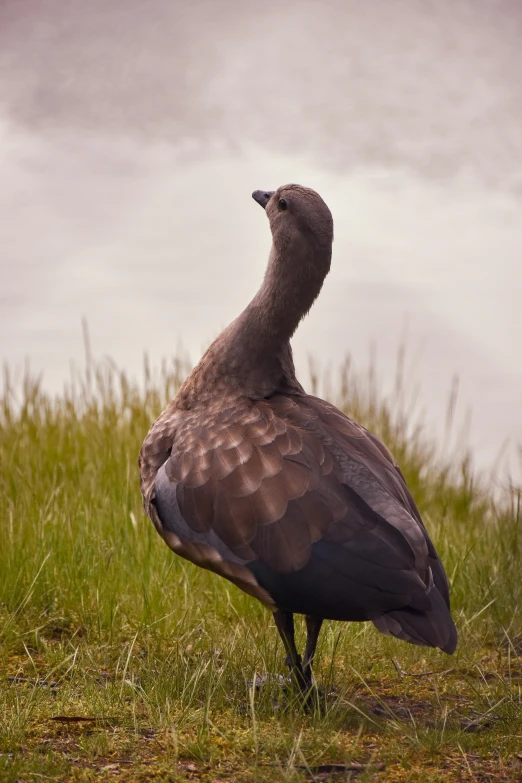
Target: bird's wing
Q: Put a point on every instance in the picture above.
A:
(264, 481)
(370, 470)
(154, 453)
(262, 486)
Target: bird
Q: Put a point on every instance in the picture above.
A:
(280, 492)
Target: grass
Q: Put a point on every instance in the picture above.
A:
(119, 660)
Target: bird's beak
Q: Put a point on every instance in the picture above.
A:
(263, 196)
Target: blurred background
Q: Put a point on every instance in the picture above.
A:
(133, 133)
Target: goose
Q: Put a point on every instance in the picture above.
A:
(278, 491)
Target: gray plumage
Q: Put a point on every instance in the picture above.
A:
(280, 492)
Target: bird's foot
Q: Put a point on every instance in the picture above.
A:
(266, 678)
(296, 688)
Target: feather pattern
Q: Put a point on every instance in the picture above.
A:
(294, 473)
(279, 491)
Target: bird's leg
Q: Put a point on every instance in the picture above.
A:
(285, 625)
(313, 627)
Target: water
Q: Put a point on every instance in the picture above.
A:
(132, 137)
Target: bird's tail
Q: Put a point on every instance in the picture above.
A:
(429, 628)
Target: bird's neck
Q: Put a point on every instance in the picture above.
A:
(252, 356)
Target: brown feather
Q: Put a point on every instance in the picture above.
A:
(228, 438)
(224, 462)
(271, 459)
(294, 479)
(246, 478)
(269, 502)
(317, 514)
(234, 521)
(285, 545)
(179, 466)
(197, 506)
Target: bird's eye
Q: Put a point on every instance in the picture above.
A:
(282, 203)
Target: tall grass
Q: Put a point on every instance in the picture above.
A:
(99, 620)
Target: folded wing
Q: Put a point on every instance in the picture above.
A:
(305, 509)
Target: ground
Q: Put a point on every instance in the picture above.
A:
(120, 660)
